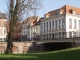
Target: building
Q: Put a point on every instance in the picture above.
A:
(3, 31)
(27, 27)
(36, 30)
(61, 23)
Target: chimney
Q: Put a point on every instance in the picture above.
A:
(38, 18)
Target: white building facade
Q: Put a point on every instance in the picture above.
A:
(66, 25)
(3, 31)
(29, 27)
(24, 32)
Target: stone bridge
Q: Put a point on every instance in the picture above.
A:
(76, 40)
(34, 46)
(18, 47)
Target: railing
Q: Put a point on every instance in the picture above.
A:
(53, 36)
(63, 35)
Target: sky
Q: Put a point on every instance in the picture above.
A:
(48, 5)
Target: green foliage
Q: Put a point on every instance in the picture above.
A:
(68, 54)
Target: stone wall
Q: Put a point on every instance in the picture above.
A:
(19, 47)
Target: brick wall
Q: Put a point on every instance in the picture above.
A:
(19, 47)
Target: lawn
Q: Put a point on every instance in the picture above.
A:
(68, 54)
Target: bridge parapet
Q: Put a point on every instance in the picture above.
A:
(18, 47)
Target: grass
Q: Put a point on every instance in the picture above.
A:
(68, 54)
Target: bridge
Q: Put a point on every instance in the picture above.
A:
(40, 45)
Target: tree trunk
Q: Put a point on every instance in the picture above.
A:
(9, 44)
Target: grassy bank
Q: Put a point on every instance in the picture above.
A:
(68, 54)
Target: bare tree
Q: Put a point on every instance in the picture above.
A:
(16, 9)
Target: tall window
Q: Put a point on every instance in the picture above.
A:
(63, 24)
(26, 32)
(44, 26)
(44, 36)
(47, 26)
(74, 24)
(56, 25)
(52, 25)
(4, 31)
(79, 24)
(59, 24)
(41, 27)
(4, 23)
(59, 34)
(70, 23)
(70, 34)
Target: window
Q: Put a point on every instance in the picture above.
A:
(70, 23)
(58, 12)
(26, 32)
(63, 34)
(47, 26)
(59, 24)
(79, 24)
(56, 25)
(41, 27)
(74, 24)
(55, 35)
(36, 28)
(44, 26)
(70, 34)
(63, 24)
(4, 23)
(52, 25)
(52, 35)
(74, 34)
(4, 31)
(44, 36)
(59, 34)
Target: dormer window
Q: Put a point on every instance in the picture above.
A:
(73, 12)
(58, 12)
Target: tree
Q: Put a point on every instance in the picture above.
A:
(17, 9)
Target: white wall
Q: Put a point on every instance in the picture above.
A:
(52, 19)
(2, 35)
(67, 22)
(36, 29)
(24, 29)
